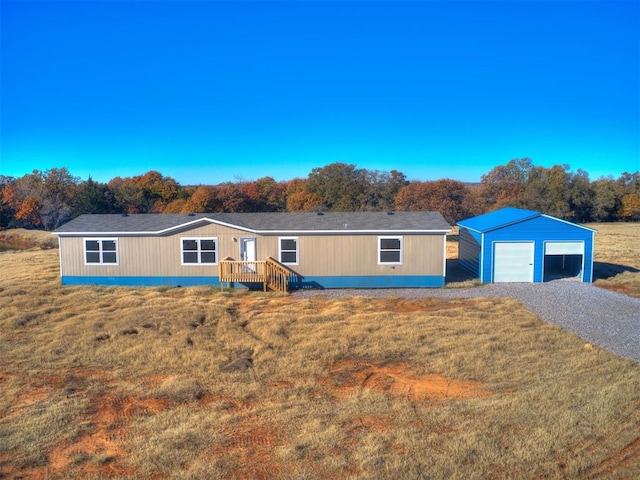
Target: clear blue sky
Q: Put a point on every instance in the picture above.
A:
(207, 92)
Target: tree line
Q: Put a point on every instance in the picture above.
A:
(47, 199)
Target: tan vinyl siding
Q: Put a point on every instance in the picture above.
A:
(319, 255)
(358, 255)
(151, 256)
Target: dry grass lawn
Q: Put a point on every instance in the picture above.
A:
(193, 383)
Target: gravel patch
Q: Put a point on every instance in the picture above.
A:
(601, 317)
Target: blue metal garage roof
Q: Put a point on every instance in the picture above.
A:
(498, 219)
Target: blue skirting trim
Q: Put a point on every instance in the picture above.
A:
(378, 281)
(143, 281)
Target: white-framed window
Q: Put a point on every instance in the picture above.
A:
(199, 251)
(390, 250)
(101, 251)
(289, 252)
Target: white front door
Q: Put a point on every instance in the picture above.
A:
(248, 249)
(513, 262)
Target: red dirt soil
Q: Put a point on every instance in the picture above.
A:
(112, 417)
(250, 446)
(398, 380)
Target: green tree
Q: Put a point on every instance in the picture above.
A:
(380, 189)
(607, 199)
(581, 197)
(340, 186)
(504, 185)
(91, 197)
(630, 182)
(6, 211)
(548, 190)
(59, 189)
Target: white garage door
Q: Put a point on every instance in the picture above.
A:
(564, 248)
(513, 262)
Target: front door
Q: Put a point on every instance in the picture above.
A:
(248, 249)
(248, 253)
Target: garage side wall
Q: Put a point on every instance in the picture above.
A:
(538, 230)
(469, 250)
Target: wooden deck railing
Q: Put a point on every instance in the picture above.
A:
(269, 272)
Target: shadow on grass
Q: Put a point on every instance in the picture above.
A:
(457, 274)
(602, 270)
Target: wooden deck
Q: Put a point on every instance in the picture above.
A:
(271, 273)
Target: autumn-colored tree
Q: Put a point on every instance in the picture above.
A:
(22, 197)
(264, 195)
(232, 198)
(29, 212)
(629, 191)
(414, 197)
(299, 199)
(178, 205)
(148, 193)
(46, 199)
(40, 199)
(203, 200)
(157, 189)
(630, 208)
(449, 197)
(128, 197)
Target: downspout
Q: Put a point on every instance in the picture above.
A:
(481, 259)
(444, 259)
(60, 256)
(593, 248)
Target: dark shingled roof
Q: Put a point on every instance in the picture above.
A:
(156, 224)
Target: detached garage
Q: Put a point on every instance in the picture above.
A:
(515, 245)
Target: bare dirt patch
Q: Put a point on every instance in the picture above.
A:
(398, 380)
(100, 452)
(250, 446)
(620, 461)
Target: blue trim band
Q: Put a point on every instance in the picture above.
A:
(142, 281)
(374, 281)
(405, 281)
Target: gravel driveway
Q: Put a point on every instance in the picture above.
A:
(604, 318)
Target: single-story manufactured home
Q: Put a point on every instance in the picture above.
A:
(301, 250)
(516, 245)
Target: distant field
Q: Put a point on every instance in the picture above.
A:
(617, 257)
(194, 383)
